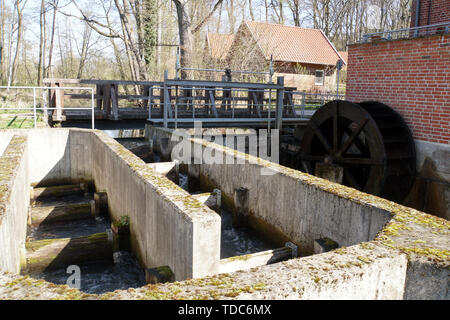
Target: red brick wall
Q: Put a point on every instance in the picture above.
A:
(431, 12)
(412, 76)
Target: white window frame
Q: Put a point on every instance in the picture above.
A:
(321, 83)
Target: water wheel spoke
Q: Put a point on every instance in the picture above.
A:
(335, 127)
(321, 137)
(351, 179)
(352, 137)
(360, 145)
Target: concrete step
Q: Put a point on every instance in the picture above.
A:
(38, 194)
(212, 200)
(258, 259)
(51, 254)
(62, 213)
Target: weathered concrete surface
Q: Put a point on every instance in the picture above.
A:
(431, 190)
(5, 137)
(49, 156)
(364, 271)
(168, 226)
(14, 201)
(425, 239)
(378, 269)
(421, 271)
(249, 261)
(439, 152)
(318, 208)
(287, 204)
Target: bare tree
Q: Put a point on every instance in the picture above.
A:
(186, 30)
(18, 6)
(40, 67)
(84, 50)
(48, 72)
(2, 39)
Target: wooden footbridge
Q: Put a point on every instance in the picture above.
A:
(178, 103)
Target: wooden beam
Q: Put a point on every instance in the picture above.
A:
(114, 102)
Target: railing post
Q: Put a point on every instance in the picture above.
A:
(166, 98)
(114, 101)
(107, 99)
(45, 110)
(34, 107)
(59, 101)
(302, 111)
(279, 106)
(99, 91)
(150, 102)
(92, 108)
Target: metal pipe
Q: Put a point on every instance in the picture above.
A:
(417, 13)
(417, 17)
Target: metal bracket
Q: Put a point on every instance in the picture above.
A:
(293, 247)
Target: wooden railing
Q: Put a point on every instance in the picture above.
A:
(181, 98)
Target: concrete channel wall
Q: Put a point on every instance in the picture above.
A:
(407, 258)
(14, 201)
(168, 226)
(287, 205)
(303, 208)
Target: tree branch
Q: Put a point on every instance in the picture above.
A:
(91, 22)
(198, 27)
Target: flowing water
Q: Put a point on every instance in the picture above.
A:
(101, 277)
(234, 241)
(95, 277)
(240, 241)
(125, 272)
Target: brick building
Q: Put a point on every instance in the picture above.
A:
(305, 57)
(410, 71)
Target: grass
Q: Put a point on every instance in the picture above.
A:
(20, 119)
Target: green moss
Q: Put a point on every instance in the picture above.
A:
(364, 259)
(123, 222)
(97, 236)
(244, 257)
(165, 271)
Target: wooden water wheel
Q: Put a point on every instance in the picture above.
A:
(369, 140)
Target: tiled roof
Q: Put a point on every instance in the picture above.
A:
(344, 56)
(219, 44)
(293, 44)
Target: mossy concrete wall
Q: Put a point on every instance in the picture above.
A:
(4, 140)
(168, 226)
(286, 204)
(14, 201)
(341, 213)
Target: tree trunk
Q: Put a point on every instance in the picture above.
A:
(2, 39)
(18, 42)
(52, 38)
(185, 34)
(250, 9)
(84, 50)
(41, 43)
(150, 31)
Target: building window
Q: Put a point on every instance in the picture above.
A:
(319, 78)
